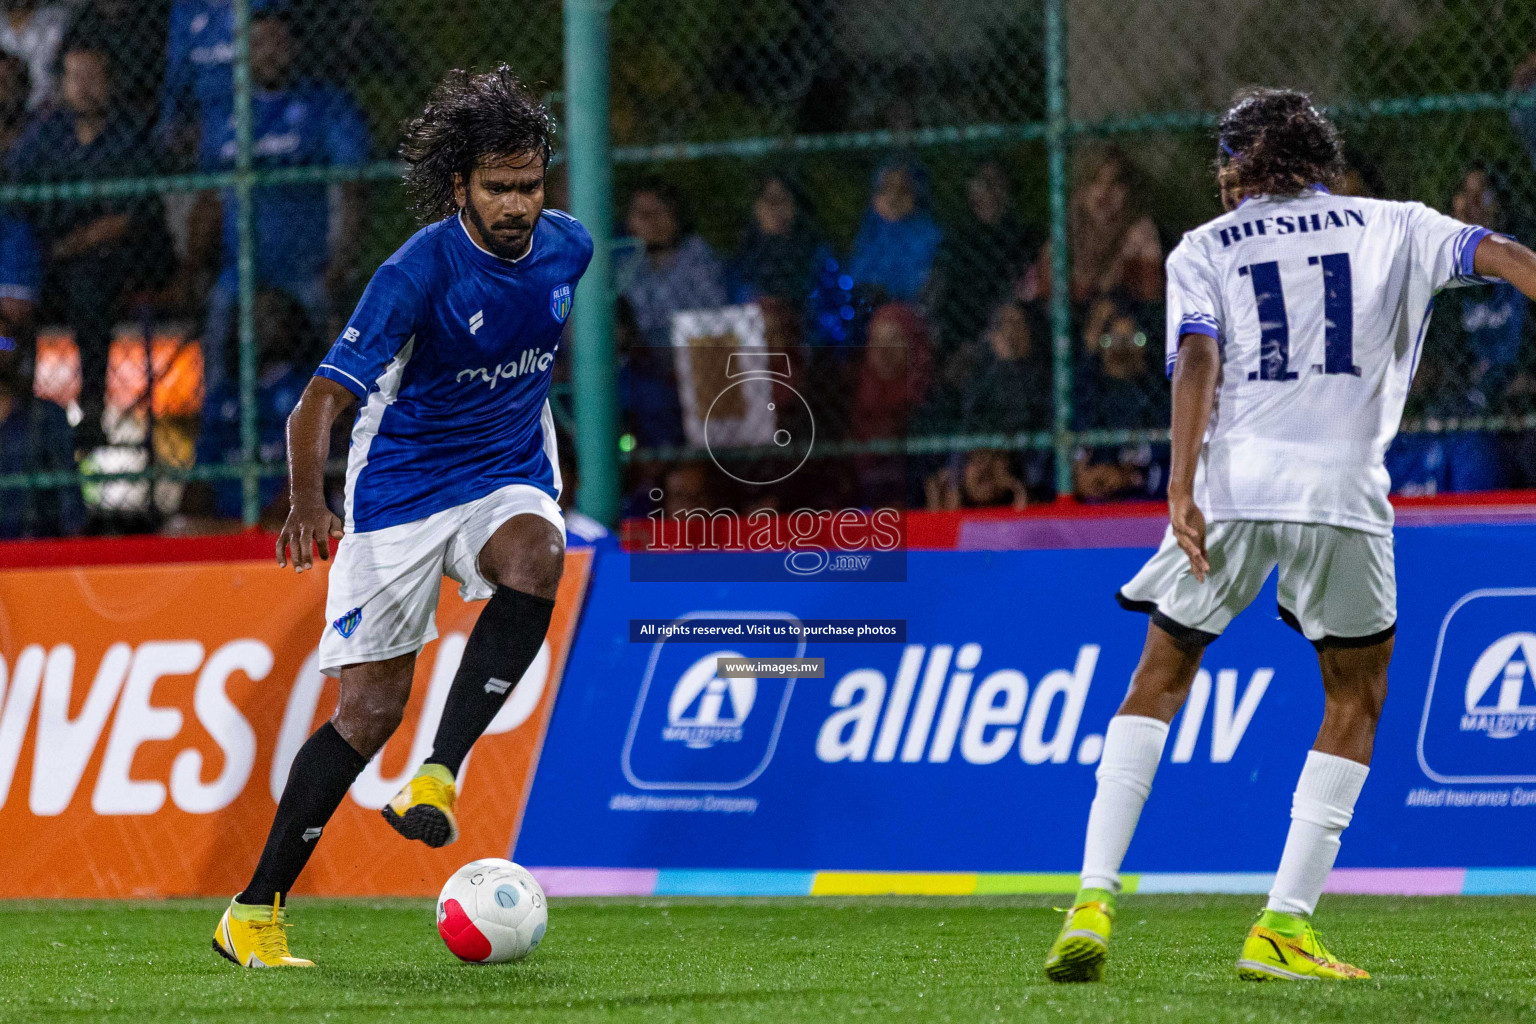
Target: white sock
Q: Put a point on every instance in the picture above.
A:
(1132, 747)
(1323, 804)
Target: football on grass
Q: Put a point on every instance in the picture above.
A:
(492, 911)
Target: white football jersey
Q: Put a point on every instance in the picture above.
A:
(1319, 304)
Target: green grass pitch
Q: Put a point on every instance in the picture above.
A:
(1457, 959)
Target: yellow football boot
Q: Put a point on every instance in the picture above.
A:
(424, 808)
(255, 937)
(1079, 952)
(1284, 947)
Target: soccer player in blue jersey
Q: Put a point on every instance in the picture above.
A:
(452, 470)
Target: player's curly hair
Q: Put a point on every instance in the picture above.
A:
(470, 117)
(1275, 142)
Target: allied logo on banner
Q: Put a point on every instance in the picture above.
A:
(705, 709)
(1479, 722)
(1501, 692)
(691, 728)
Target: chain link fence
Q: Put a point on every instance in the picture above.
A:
(911, 141)
(196, 192)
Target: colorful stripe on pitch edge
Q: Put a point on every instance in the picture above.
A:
(726, 882)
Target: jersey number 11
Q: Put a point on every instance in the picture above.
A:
(1275, 327)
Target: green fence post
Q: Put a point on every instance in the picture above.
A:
(245, 263)
(1056, 141)
(591, 178)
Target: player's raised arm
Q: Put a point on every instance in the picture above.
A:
(1194, 391)
(1508, 260)
(310, 522)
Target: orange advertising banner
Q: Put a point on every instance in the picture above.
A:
(149, 715)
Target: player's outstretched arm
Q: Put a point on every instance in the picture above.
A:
(310, 523)
(1194, 392)
(1508, 260)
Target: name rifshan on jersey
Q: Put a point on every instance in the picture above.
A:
(450, 351)
(1318, 304)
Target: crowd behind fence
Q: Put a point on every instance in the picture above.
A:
(950, 220)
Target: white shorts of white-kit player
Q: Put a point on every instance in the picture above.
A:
(1338, 587)
(382, 596)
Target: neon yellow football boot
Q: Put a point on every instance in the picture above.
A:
(1079, 952)
(424, 808)
(1284, 947)
(255, 937)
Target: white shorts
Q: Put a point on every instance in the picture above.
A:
(1338, 587)
(381, 600)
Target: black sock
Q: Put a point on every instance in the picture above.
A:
(323, 770)
(502, 645)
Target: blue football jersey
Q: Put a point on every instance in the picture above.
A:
(450, 351)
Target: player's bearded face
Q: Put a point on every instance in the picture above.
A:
(502, 201)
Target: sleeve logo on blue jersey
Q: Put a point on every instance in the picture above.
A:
(560, 302)
(347, 624)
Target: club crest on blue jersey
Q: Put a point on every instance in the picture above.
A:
(560, 302)
(347, 624)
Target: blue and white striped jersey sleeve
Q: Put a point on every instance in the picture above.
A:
(1194, 298)
(1443, 248)
(385, 319)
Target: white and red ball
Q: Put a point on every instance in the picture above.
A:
(492, 911)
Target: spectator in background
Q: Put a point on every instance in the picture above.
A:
(14, 89)
(780, 251)
(647, 383)
(34, 437)
(92, 249)
(1006, 380)
(894, 373)
(199, 56)
(1118, 389)
(981, 478)
(1446, 462)
(896, 243)
(285, 340)
(890, 384)
(20, 280)
(980, 258)
(20, 272)
(1482, 326)
(1361, 176)
(1523, 117)
(1115, 245)
(675, 269)
(34, 32)
(294, 124)
(686, 486)
(132, 34)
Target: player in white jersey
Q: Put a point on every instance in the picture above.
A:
(1294, 328)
